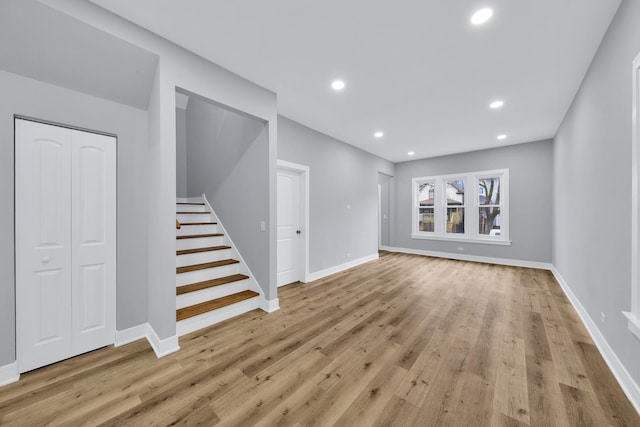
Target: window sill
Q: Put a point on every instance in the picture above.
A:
(634, 323)
(463, 240)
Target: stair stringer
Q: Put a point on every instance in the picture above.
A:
(243, 267)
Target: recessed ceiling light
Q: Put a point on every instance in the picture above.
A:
(411, 153)
(496, 104)
(337, 85)
(378, 134)
(481, 16)
(501, 137)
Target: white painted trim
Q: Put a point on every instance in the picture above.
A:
(244, 267)
(338, 268)
(130, 335)
(305, 177)
(162, 347)
(635, 188)
(484, 241)
(474, 258)
(629, 386)
(9, 374)
(379, 215)
(270, 305)
(633, 323)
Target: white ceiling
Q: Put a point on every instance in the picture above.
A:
(415, 69)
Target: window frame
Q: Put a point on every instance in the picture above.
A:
(471, 208)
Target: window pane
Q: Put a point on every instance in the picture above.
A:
(426, 193)
(455, 192)
(425, 219)
(490, 221)
(489, 191)
(455, 220)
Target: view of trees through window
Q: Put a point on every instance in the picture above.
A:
(489, 206)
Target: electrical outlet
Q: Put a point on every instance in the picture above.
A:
(348, 254)
(603, 317)
(263, 226)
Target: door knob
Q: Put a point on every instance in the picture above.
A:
(298, 232)
(45, 259)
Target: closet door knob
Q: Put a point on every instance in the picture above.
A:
(45, 259)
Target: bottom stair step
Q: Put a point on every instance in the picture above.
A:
(180, 290)
(194, 310)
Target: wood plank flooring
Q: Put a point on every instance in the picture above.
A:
(402, 341)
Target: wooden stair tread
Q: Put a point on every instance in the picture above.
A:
(180, 290)
(206, 265)
(197, 236)
(198, 223)
(193, 213)
(204, 307)
(190, 203)
(199, 250)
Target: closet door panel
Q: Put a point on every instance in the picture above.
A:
(93, 240)
(43, 244)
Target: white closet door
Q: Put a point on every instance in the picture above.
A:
(43, 243)
(65, 242)
(93, 260)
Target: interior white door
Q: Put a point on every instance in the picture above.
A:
(93, 246)
(65, 242)
(43, 244)
(288, 234)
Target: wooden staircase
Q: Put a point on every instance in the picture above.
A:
(211, 284)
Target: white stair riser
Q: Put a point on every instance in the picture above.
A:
(202, 257)
(190, 208)
(190, 230)
(206, 319)
(203, 217)
(192, 298)
(208, 274)
(200, 242)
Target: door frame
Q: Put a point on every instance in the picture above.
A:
(15, 216)
(304, 172)
(379, 216)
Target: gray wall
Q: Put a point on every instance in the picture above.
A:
(181, 153)
(340, 175)
(178, 68)
(44, 101)
(385, 182)
(530, 197)
(592, 165)
(227, 157)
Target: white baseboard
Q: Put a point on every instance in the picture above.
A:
(628, 385)
(130, 335)
(162, 347)
(338, 268)
(270, 305)
(474, 258)
(9, 374)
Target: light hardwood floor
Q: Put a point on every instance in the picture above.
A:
(405, 340)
